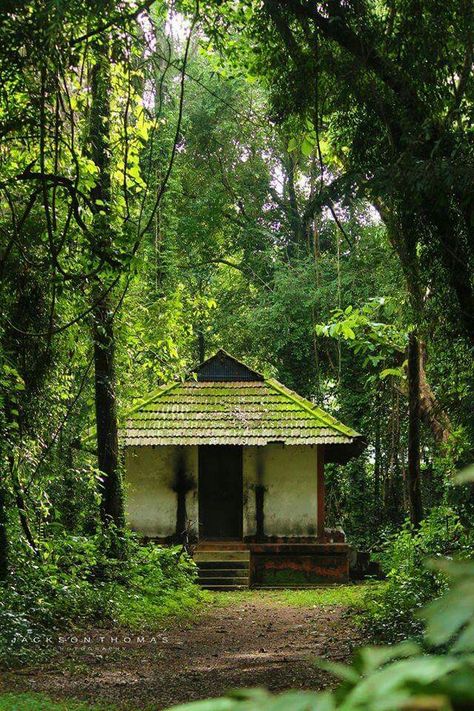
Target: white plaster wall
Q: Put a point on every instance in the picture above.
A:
(151, 503)
(289, 476)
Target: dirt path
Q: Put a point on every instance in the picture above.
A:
(242, 645)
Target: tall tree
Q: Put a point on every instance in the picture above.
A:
(104, 243)
(4, 545)
(393, 83)
(414, 473)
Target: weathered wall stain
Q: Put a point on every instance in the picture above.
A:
(279, 491)
(260, 496)
(260, 512)
(183, 482)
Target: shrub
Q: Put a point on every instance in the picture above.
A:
(73, 582)
(411, 585)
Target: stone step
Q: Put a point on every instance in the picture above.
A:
(218, 581)
(222, 569)
(219, 556)
(222, 564)
(223, 572)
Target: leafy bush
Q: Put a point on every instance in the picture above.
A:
(73, 582)
(160, 581)
(393, 612)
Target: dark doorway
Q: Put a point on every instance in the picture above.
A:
(220, 491)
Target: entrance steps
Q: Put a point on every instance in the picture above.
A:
(222, 566)
(222, 546)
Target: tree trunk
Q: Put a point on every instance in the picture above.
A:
(3, 533)
(21, 506)
(393, 496)
(377, 463)
(430, 412)
(69, 504)
(297, 232)
(201, 344)
(112, 508)
(414, 480)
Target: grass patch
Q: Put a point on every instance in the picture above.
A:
(147, 608)
(354, 596)
(38, 702)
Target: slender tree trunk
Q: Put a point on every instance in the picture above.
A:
(414, 480)
(112, 507)
(3, 532)
(69, 505)
(298, 235)
(430, 411)
(21, 507)
(377, 464)
(106, 416)
(201, 343)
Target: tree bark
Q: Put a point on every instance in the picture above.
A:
(430, 412)
(3, 533)
(112, 508)
(201, 343)
(21, 506)
(69, 505)
(414, 480)
(377, 461)
(297, 231)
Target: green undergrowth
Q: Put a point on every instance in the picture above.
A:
(356, 596)
(149, 608)
(39, 702)
(73, 583)
(434, 673)
(394, 613)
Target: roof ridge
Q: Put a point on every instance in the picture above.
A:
(313, 409)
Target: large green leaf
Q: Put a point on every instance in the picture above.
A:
(447, 616)
(367, 659)
(465, 475)
(390, 687)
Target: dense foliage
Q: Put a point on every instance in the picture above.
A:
(291, 181)
(74, 583)
(394, 614)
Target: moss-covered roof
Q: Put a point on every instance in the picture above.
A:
(241, 412)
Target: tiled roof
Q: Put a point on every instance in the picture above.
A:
(232, 412)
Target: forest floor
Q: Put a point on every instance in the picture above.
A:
(238, 640)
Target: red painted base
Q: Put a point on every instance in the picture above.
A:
(298, 564)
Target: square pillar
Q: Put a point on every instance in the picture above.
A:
(321, 493)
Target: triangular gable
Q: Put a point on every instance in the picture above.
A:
(224, 367)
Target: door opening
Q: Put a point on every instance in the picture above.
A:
(220, 491)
